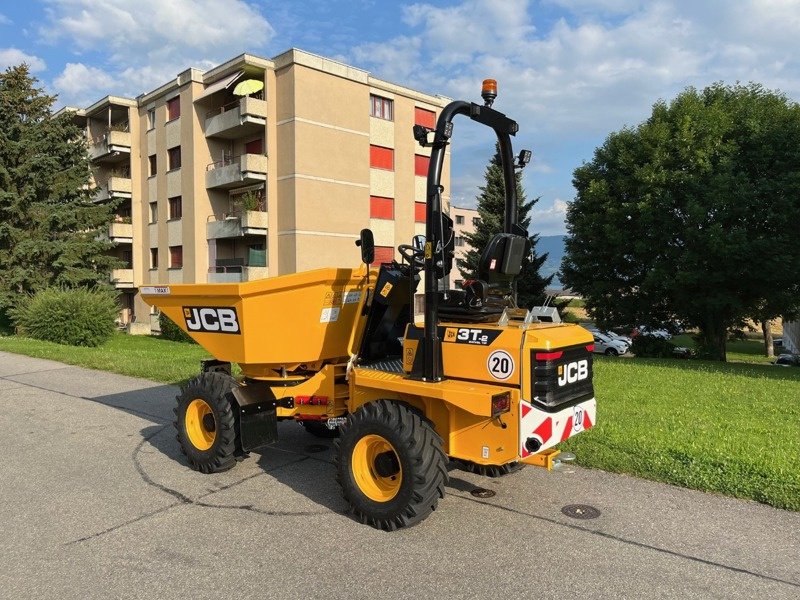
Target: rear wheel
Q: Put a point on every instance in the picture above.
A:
(391, 465)
(205, 423)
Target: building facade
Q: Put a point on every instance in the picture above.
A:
(255, 168)
(465, 220)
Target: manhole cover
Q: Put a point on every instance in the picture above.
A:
(315, 448)
(482, 493)
(581, 511)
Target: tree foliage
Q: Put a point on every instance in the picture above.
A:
(692, 215)
(50, 230)
(491, 209)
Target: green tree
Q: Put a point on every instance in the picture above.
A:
(50, 230)
(692, 215)
(491, 208)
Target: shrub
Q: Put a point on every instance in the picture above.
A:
(650, 346)
(75, 317)
(170, 331)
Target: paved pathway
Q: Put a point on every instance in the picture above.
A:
(96, 502)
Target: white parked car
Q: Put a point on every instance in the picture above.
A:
(612, 335)
(608, 346)
(659, 333)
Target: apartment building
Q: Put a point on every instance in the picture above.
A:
(255, 168)
(465, 220)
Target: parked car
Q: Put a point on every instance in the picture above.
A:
(610, 347)
(659, 333)
(788, 360)
(611, 334)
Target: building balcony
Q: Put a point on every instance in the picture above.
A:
(122, 278)
(247, 169)
(235, 270)
(236, 274)
(111, 146)
(115, 187)
(234, 225)
(245, 116)
(121, 233)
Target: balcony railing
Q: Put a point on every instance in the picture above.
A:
(236, 224)
(111, 144)
(236, 273)
(233, 171)
(244, 116)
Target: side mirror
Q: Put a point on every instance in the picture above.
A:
(367, 244)
(418, 242)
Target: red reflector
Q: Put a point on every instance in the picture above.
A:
(549, 355)
(501, 403)
(590, 347)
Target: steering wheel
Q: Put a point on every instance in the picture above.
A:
(412, 255)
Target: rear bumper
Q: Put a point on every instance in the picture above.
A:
(540, 430)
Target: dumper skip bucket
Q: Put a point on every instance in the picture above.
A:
(286, 320)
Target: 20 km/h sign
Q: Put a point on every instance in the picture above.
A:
(500, 365)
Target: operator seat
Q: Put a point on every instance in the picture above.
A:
(482, 300)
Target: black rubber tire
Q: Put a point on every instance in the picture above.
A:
(490, 470)
(319, 429)
(419, 450)
(213, 387)
(612, 352)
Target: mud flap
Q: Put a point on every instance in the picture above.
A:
(258, 426)
(257, 420)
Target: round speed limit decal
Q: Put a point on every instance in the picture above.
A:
(500, 365)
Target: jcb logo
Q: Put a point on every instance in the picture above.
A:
(211, 319)
(573, 372)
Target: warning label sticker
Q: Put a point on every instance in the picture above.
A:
(352, 297)
(329, 315)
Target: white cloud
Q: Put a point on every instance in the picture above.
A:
(10, 57)
(4, 20)
(549, 220)
(78, 81)
(144, 44)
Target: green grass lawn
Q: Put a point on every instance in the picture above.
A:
(728, 428)
(140, 356)
(750, 350)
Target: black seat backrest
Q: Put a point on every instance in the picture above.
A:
(502, 259)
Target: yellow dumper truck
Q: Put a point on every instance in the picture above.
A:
(340, 351)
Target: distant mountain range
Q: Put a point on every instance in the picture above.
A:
(554, 246)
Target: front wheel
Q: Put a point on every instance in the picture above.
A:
(612, 352)
(390, 465)
(205, 423)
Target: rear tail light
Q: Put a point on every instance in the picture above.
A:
(501, 403)
(549, 355)
(590, 347)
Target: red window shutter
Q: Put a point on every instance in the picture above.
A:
(381, 208)
(381, 158)
(419, 212)
(421, 165)
(254, 147)
(426, 118)
(383, 254)
(173, 108)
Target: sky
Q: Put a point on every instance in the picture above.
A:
(569, 71)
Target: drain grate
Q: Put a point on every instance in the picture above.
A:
(581, 511)
(482, 493)
(315, 448)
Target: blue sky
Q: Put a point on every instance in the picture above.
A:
(569, 71)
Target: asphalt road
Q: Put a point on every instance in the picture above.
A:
(96, 502)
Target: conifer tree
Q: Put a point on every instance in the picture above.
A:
(51, 233)
(491, 207)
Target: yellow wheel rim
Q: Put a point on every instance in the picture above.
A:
(201, 426)
(376, 468)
